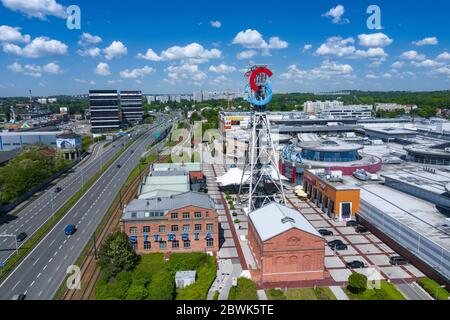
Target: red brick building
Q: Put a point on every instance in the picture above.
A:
(285, 246)
(186, 222)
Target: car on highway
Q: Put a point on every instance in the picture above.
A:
(361, 229)
(398, 261)
(58, 190)
(119, 166)
(19, 297)
(355, 265)
(22, 236)
(326, 233)
(70, 230)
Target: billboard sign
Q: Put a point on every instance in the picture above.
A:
(68, 143)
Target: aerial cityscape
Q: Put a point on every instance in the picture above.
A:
(224, 152)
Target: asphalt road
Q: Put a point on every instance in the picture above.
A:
(40, 210)
(41, 273)
(413, 291)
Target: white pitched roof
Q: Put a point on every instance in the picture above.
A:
(275, 219)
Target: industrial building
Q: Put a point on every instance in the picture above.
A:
(131, 107)
(285, 246)
(185, 222)
(16, 140)
(104, 110)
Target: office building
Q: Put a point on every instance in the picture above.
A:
(104, 110)
(131, 106)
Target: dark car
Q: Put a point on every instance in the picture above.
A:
(19, 297)
(119, 166)
(58, 190)
(341, 247)
(352, 223)
(70, 230)
(22, 236)
(355, 265)
(326, 233)
(361, 229)
(398, 261)
(334, 243)
(132, 151)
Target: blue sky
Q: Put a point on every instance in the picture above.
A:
(182, 46)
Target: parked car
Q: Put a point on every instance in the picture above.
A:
(19, 297)
(58, 190)
(119, 166)
(70, 230)
(341, 247)
(326, 233)
(22, 236)
(352, 223)
(398, 261)
(334, 243)
(355, 265)
(361, 229)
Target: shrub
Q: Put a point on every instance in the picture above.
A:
(235, 214)
(245, 290)
(162, 287)
(117, 254)
(432, 287)
(237, 221)
(136, 292)
(275, 294)
(357, 283)
(232, 207)
(187, 261)
(216, 295)
(205, 277)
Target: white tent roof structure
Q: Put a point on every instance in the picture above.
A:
(234, 177)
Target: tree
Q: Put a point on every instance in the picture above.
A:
(117, 254)
(357, 283)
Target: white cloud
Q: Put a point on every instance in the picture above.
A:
(194, 52)
(443, 56)
(87, 39)
(327, 71)
(387, 75)
(247, 54)
(189, 72)
(37, 8)
(89, 52)
(136, 73)
(252, 39)
(398, 65)
(431, 41)
(336, 14)
(372, 76)
(412, 55)
(344, 48)
(216, 24)
(222, 68)
(39, 47)
(12, 34)
(35, 70)
(307, 47)
(374, 40)
(427, 63)
(443, 70)
(102, 69)
(115, 50)
(52, 68)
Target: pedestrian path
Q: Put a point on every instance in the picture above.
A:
(339, 293)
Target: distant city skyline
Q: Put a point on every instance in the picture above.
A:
(182, 47)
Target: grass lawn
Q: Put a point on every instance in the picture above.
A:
(434, 289)
(154, 279)
(301, 294)
(245, 290)
(387, 292)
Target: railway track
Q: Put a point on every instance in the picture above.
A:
(90, 272)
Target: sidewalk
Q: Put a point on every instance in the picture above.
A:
(339, 293)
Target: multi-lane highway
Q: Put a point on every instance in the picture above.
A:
(40, 274)
(39, 211)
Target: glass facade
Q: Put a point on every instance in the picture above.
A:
(327, 156)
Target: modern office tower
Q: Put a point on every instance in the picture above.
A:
(104, 109)
(131, 105)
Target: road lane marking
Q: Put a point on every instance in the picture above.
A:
(15, 286)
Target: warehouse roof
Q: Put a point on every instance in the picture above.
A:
(275, 219)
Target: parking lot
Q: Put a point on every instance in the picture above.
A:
(365, 247)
